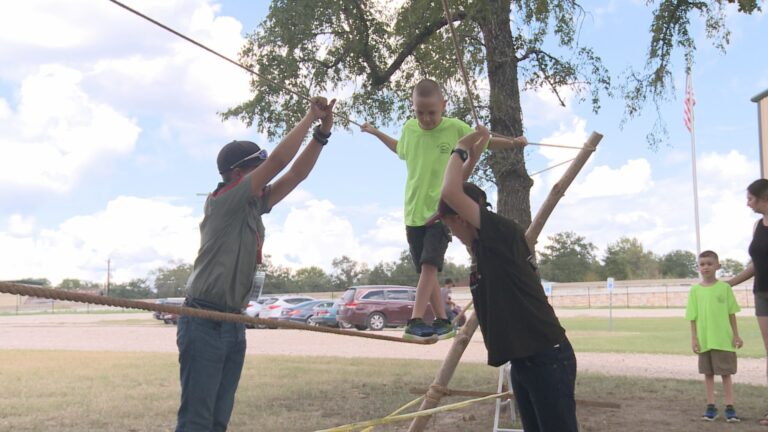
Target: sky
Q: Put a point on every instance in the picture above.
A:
(109, 133)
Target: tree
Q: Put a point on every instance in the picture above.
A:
(731, 267)
(77, 284)
(322, 47)
(43, 282)
(626, 259)
(308, 279)
(678, 264)
(670, 29)
(171, 281)
(346, 272)
(567, 258)
(134, 289)
(278, 279)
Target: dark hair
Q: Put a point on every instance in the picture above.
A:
(448, 281)
(759, 188)
(709, 254)
(428, 88)
(471, 190)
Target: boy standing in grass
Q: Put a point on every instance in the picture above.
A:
(425, 145)
(712, 311)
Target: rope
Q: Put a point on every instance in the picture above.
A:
(460, 59)
(398, 411)
(222, 56)
(393, 419)
(34, 291)
(553, 166)
(302, 96)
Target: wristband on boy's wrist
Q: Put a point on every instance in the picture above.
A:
(463, 155)
(320, 136)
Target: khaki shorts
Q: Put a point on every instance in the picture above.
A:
(717, 362)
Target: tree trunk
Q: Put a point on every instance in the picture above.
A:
(508, 166)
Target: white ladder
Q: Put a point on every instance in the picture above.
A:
(504, 377)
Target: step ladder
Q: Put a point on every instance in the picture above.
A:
(505, 382)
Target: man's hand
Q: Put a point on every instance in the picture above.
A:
(737, 342)
(317, 107)
(326, 123)
(368, 128)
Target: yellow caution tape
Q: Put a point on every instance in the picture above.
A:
(401, 417)
(398, 411)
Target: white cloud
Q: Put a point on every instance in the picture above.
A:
(137, 234)
(57, 132)
(657, 208)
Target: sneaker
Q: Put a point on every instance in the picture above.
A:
(417, 329)
(730, 414)
(443, 328)
(710, 414)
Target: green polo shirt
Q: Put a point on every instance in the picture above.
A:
(710, 307)
(426, 154)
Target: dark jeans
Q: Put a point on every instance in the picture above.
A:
(544, 389)
(211, 357)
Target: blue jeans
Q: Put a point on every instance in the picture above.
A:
(211, 357)
(544, 389)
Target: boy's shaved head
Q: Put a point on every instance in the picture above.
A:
(427, 89)
(709, 254)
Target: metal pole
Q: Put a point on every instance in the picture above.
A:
(689, 90)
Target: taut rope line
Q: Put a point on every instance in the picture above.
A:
(277, 84)
(34, 291)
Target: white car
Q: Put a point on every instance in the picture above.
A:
(272, 308)
(255, 305)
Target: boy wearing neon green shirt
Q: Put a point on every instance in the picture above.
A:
(425, 145)
(712, 311)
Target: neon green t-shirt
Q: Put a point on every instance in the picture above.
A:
(710, 307)
(426, 154)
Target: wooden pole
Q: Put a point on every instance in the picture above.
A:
(460, 342)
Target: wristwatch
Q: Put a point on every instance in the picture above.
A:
(462, 153)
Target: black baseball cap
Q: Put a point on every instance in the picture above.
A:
(239, 154)
(472, 191)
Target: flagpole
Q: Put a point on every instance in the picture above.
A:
(689, 91)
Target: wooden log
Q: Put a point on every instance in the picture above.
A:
(460, 342)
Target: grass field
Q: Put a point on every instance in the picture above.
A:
(650, 335)
(137, 392)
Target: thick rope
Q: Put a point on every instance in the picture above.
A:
(287, 89)
(34, 291)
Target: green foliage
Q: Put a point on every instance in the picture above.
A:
(568, 258)
(626, 259)
(277, 279)
(171, 281)
(311, 279)
(347, 272)
(43, 282)
(678, 264)
(134, 289)
(670, 29)
(77, 284)
(731, 267)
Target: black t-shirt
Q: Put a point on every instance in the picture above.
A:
(514, 315)
(758, 251)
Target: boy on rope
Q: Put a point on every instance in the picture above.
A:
(212, 353)
(425, 145)
(518, 324)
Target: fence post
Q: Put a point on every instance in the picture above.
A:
(666, 296)
(589, 299)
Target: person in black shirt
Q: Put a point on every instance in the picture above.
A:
(518, 324)
(757, 200)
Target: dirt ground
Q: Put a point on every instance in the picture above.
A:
(138, 332)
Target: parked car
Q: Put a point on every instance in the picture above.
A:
(375, 307)
(272, 308)
(171, 318)
(254, 307)
(174, 300)
(326, 317)
(302, 312)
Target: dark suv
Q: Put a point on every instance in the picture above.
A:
(377, 306)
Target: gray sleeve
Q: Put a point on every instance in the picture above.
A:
(262, 203)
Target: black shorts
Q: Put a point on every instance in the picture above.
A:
(428, 244)
(761, 303)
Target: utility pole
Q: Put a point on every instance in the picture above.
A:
(109, 268)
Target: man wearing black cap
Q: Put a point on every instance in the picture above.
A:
(518, 324)
(212, 353)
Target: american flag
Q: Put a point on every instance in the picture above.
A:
(689, 102)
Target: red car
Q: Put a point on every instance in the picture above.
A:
(375, 307)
